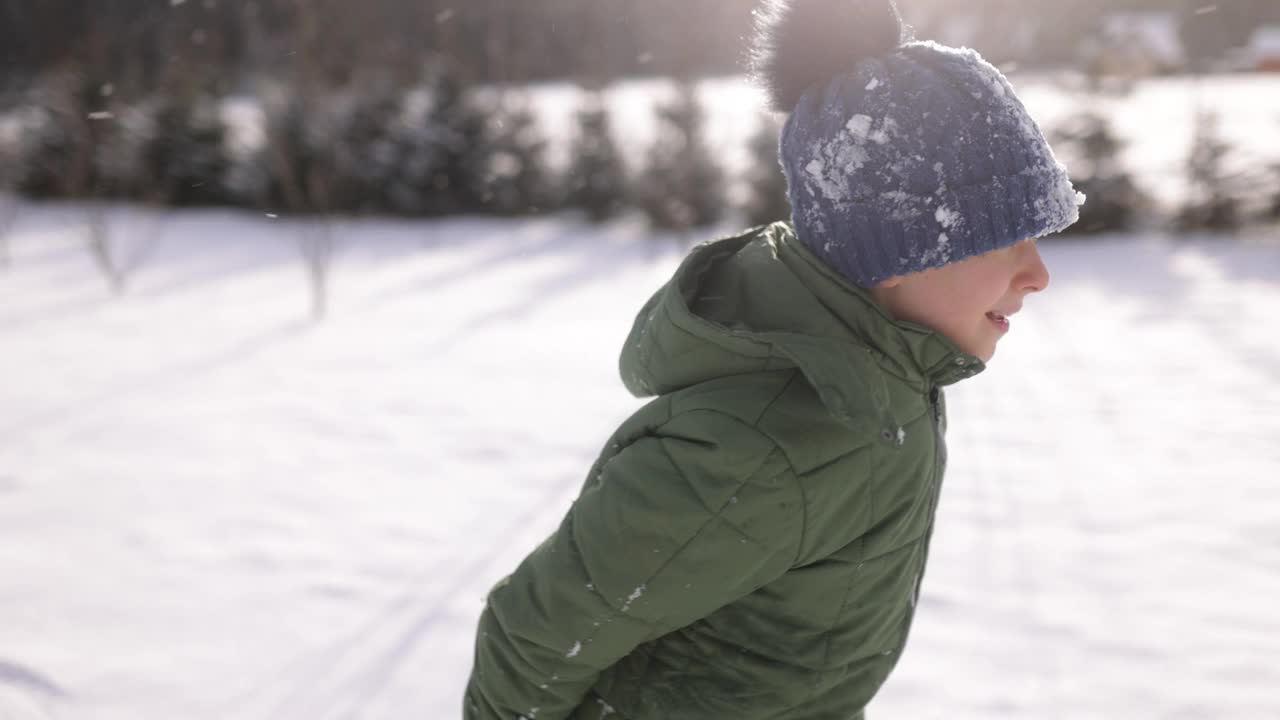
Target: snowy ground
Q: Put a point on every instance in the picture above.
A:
(211, 508)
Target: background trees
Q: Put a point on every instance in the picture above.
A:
(140, 41)
(418, 107)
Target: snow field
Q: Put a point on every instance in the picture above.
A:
(212, 508)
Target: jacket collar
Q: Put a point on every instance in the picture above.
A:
(913, 353)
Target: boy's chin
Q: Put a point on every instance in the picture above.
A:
(982, 352)
(977, 344)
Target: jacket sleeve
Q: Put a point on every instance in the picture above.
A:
(697, 513)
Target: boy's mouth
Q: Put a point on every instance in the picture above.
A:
(999, 320)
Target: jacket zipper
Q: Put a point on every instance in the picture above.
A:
(935, 490)
(935, 486)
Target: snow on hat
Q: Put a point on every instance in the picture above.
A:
(900, 155)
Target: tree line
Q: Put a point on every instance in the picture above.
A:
(144, 43)
(437, 146)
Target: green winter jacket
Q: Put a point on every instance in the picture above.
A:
(750, 543)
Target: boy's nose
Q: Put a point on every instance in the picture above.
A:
(1034, 276)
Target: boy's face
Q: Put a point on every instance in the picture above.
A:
(968, 301)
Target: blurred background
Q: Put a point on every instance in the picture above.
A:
(309, 316)
(428, 109)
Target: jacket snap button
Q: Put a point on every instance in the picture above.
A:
(960, 361)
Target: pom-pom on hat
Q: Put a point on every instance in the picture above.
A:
(900, 155)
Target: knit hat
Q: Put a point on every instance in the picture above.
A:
(901, 156)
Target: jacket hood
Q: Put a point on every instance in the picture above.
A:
(761, 301)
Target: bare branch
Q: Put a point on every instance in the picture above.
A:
(99, 240)
(8, 216)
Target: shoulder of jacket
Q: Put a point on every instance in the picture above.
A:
(719, 416)
(744, 396)
(781, 409)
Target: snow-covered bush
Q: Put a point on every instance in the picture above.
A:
(442, 138)
(122, 159)
(297, 155)
(419, 151)
(10, 147)
(175, 148)
(360, 123)
(11, 139)
(1213, 197)
(1115, 201)
(1273, 206)
(316, 155)
(516, 179)
(682, 186)
(407, 161)
(766, 199)
(597, 180)
(1271, 192)
(79, 138)
(65, 122)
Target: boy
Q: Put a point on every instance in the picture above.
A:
(750, 544)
